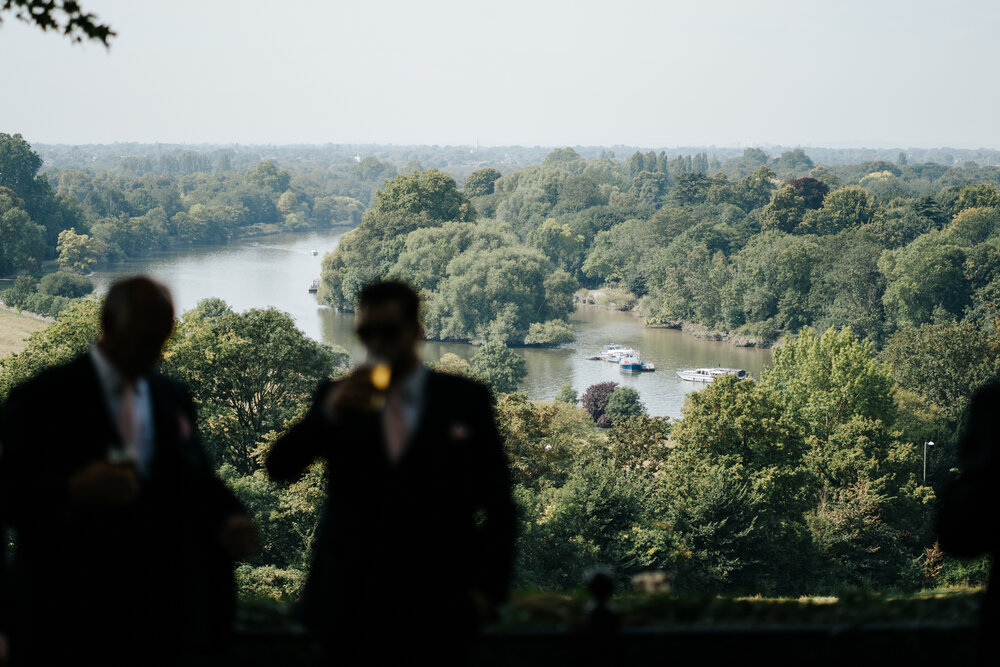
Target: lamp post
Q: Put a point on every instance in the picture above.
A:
(929, 443)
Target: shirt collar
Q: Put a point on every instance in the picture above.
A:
(109, 377)
(111, 380)
(412, 385)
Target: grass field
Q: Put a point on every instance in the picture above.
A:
(15, 329)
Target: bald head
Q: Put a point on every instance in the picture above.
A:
(136, 320)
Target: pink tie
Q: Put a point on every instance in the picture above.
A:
(396, 428)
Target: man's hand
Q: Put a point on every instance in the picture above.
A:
(351, 395)
(238, 536)
(104, 484)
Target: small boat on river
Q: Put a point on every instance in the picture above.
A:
(630, 363)
(627, 359)
(612, 353)
(709, 374)
(314, 287)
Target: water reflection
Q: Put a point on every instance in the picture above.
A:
(277, 270)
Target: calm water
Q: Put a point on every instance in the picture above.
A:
(277, 270)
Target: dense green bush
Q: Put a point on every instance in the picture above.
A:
(69, 285)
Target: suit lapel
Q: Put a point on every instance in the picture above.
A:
(422, 436)
(94, 407)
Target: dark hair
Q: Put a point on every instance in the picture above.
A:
(137, 298)
(392, 291)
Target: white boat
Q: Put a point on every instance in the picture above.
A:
(615, 353)
(709, 374)
(315, 251)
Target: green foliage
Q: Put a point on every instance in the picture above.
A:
(267, 176)
(43, 299)
(553, 332)
(426, 253)
(499, 367)
(269, 583)
(567, 394)
(923, 278)
(623, 403)
(872, 517)
(218, 354)
(429, 195)
(498, 294)
(287, 516)
(453, 364)
(481, 182)
(738, 493)
(830, 379)
(69, 285)
(944, 363)
(558, 242)
(984, 195)
(80, 252)
(850, 207)
(407, 203)
(543, 440)
(639, 441)
(784, 212)
(598, 516)
(70, 335)
(22, 242)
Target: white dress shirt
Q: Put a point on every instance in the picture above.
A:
(112, 387)
(410, 392)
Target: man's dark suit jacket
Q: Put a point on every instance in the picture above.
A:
(151, 572)
(968, 521)
(401, 544)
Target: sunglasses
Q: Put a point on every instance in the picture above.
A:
(367, 332)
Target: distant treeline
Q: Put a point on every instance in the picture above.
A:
(179, 159)
(757, 244)
(85, 217)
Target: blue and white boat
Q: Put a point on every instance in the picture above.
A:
(630, 363)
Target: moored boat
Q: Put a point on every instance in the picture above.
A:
(630, 363)
(709, 374)
(314, 287)
(615, 353)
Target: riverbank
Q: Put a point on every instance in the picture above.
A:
(621, 300)
(734, 338)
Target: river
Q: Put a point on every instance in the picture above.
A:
(277, 270)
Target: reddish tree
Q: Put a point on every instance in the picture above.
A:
(595, 401)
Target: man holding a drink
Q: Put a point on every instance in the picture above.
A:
(125, 535)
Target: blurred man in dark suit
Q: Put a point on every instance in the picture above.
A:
(125, 535)
(416, 545)
(968, 523)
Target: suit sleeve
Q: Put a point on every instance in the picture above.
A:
(493, 485)
(294, 451)
(968, 522)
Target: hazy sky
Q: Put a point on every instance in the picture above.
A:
(654, 73)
